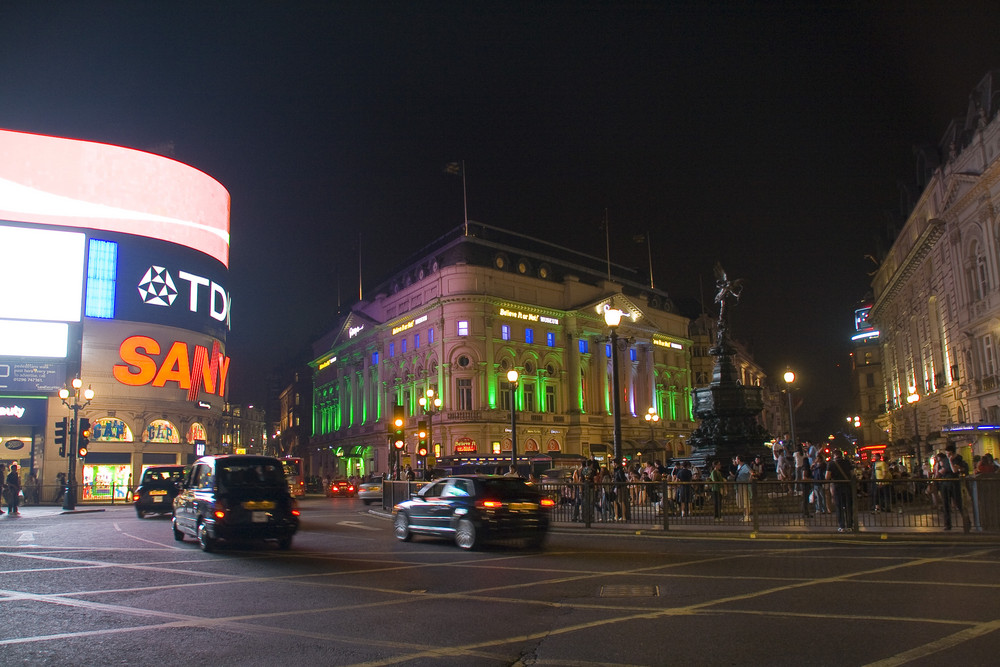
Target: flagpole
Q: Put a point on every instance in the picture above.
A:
(649, 251)
(465, 201)
(607, 241)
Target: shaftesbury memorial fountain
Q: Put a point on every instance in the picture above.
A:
(728, 411)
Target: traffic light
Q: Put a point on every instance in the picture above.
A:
(421, 438)
(61, 436)
(398, 419)
(83, 439)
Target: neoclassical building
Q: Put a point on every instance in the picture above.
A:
(473, 306)
(937, 303)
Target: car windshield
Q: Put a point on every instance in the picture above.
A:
(251, 474)
(507, 488)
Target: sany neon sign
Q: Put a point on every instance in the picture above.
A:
(208, 370)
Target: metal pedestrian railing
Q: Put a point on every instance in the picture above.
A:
(903, 504)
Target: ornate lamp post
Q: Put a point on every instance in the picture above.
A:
(512, 379)
(69, 500)
(789, 380)
(613, 317)
(912, 397)
(431, 406)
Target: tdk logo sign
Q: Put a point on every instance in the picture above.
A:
(157, 288)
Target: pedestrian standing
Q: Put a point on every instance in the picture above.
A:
(838, 471)
(743, 493)
(3, 485)
(13, 490)
(60, 487)
(716, 481)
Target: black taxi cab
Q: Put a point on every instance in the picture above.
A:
(235, 497)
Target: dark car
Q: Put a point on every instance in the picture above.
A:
(236, 497)
(341, 488)
(473, 509)
(157, 489)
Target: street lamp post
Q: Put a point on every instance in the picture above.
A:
(69, 499)
(912, 397)
(431, 407)
(613, 317)
(512, 379)
(789, 379)
(651, 418)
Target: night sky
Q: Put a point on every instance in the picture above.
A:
(769, 136)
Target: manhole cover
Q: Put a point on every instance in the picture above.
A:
(629, 591)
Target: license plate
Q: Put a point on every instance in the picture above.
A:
(259, 517)
(158, 499)
(523, 507)
(157, 492)
(258, 505)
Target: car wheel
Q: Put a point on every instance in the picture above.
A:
(178, 535)
(401, 527)
(205, 541)
(285, 543)
(139, 513)
(465, 536)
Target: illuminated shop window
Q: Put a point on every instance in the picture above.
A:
(160, 430)
(110, 429)
(102, 271)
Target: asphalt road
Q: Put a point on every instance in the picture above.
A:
(106, 588)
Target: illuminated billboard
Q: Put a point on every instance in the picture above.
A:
(88, 185)
(34, 312)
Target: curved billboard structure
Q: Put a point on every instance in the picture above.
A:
(121, 260)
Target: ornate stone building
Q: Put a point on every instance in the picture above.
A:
(472, 307)
(937, 303)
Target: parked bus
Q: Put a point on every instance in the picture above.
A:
(499, 465)
(295, 474)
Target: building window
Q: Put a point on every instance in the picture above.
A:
(504, 394)
(505, 331)
(463, 327)
(631, 353)
(529, 336)
(550, 398)
(989, 356)
(402, 346)
(374, 358)
(550, 339)
(416, 341)
(584, 347)
(430, 336)
(607, 350)
(392, 350)
(464, 391)
(869, 380)
(529, 397)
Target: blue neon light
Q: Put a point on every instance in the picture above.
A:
(102, 274)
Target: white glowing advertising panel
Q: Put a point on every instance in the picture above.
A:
(89, 185)
(54, 262)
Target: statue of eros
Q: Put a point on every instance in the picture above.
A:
(728, 290)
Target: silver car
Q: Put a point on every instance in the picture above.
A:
(370, 492)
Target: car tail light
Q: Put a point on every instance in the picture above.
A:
(220, 510)
(135, 497)
(548, 502)
(350, 488)
(489, 504)
(295, 508)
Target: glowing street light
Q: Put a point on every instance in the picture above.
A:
(512, 377)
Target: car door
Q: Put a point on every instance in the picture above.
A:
(425, 510)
